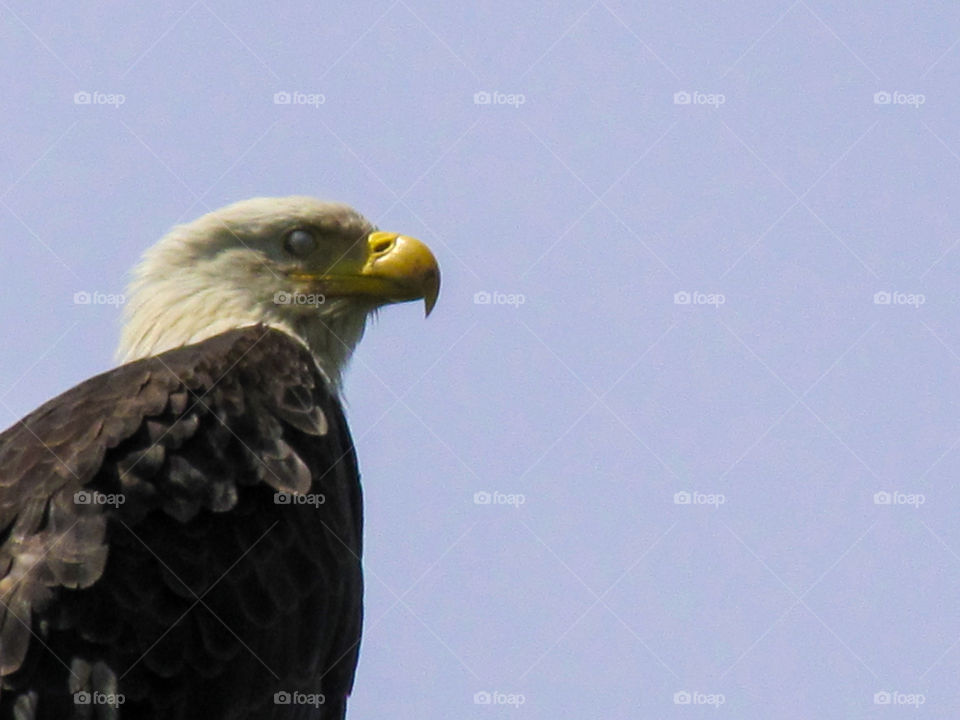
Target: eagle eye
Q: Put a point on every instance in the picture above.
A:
(300, 243)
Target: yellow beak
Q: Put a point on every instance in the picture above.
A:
(398, 268)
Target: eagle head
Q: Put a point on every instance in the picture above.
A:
(313, 269)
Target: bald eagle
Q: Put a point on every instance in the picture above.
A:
(180, 537)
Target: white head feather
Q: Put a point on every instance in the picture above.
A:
(222, 271)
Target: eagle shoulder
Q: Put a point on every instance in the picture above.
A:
(171, 436)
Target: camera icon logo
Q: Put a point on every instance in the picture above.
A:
(882, 498)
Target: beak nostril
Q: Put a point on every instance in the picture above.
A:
(382, 246)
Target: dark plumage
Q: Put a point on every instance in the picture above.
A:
(199, 596)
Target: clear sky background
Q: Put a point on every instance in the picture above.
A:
(584, 196)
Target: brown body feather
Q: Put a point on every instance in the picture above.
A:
(200, 596)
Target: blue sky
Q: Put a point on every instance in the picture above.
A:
(697, 345)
